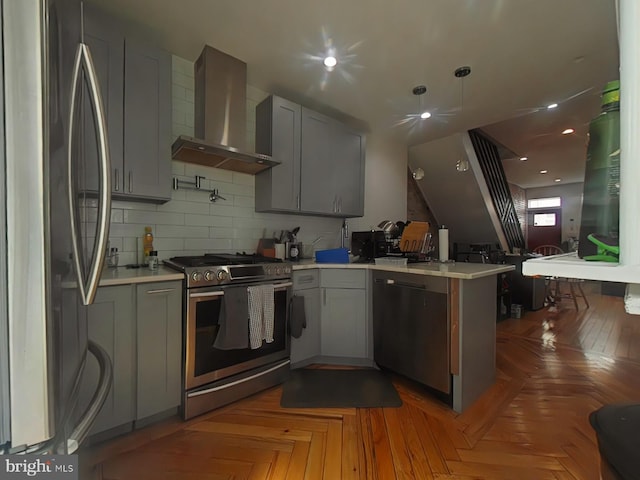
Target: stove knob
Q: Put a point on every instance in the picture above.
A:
(209, 275)
(196, 276)
(278, 271)
(222, 275)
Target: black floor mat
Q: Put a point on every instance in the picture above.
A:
(329, 388)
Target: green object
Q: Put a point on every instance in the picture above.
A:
(601, 191)
(605, 251)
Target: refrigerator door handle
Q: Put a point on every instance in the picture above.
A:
(88, 289)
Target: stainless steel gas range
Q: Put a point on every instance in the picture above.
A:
(235, 327)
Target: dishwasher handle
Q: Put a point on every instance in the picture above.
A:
(393, 283)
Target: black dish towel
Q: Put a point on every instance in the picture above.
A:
(233, 320)
(297, 318)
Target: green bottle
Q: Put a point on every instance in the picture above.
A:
(601, 190)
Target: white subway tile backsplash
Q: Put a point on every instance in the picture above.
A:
(230, 211)
(245, 245)
(180, 206)
(189, 95)
(208, 220)
(182, 65)
(221, 232)
(149, 207)
(182, 80)
(178, 92)
(178, 130)
(127, 229)
(208, 244)
(243, 179)
(165, 244)
(242, 201)
(185, 232)
(177, 168)
(151, 218)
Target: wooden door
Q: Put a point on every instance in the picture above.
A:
(544, 227)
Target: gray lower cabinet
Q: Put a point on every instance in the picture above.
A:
(306, 284)
(135, 82)
(343, 313)
(159, 334)
(322, 162)
(111, 324)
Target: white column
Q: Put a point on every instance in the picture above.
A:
(630, 132)
(630, 144)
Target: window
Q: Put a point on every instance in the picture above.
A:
(548, 202)
(544, 220)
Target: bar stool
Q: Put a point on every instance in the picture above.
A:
(553, 284)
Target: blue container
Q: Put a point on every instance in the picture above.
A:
(334, 255)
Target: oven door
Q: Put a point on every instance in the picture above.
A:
(204, 362)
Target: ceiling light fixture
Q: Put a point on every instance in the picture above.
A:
(558, 180)
(330, 62)
(544, 171)
(418, 174)
(552, 106)
(524, 159)
(419, 91)
(567, 131)
(462, 165)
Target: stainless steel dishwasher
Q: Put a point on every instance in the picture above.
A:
(411, 327)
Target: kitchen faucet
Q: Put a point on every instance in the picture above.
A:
(344, 232)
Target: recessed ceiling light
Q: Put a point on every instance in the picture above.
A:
(544, 171)
(524, 159)
(552, 106)
(330, 62)
(425, 115)
(567, 131)
(558, 180)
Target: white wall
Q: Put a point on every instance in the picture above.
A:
(190, 225)
(571, 195)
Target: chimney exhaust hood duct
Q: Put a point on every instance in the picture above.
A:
(220, 117)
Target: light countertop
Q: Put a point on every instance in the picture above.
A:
(462, 270)
(125, 276)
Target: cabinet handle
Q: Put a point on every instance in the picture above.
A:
(298, 202)
(324, 296)
(160, 290)
(130, 181)
(117, 180)
(339, 204)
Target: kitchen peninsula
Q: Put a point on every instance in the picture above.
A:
(432, 322)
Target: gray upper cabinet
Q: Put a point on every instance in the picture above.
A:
(147, 122)
(322, 169)
(159, 333)
(135, 82)
(278, 189)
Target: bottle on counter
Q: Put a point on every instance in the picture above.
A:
(601, 190)
(153, 260)
(147, 243)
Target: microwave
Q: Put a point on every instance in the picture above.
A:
(369, 244)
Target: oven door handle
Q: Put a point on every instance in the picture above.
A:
(217, 293)
(282, 286)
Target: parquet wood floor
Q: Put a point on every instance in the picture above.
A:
(553, 370)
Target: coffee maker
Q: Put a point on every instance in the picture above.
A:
(369, 244)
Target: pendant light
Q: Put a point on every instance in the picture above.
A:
(419, 91)
(462, 165)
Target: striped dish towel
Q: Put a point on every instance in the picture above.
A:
(261, 314)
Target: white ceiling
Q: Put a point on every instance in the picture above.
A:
(524, 55)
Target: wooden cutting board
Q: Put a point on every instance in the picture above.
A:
(413, 236)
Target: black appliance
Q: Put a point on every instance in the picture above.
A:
(213, 375)
(369, 244)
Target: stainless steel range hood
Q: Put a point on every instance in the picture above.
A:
(220, 117)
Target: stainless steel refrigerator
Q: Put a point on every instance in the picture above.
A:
(51, 256)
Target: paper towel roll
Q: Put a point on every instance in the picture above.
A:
(443, 243)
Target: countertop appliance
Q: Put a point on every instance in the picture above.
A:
(50, 262)
(369, 244)
(217, 290)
